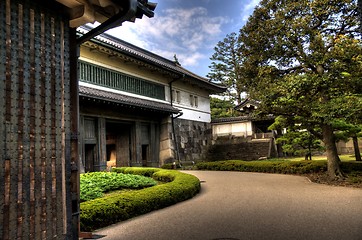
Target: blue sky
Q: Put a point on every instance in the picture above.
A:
(188, 28)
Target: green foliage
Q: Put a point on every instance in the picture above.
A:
(305, 59)
(297, 140)
(108, 210)
(94, 184)
(286, 167)
(147, 172)
(278, 166)
(345, 130)
(226, 67)
(221, 108)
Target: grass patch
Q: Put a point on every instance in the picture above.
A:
(344, 158)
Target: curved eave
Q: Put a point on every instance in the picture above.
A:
(211, 87)
(92, 94)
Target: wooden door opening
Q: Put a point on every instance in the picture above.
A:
(118, 144)
(145, 154)
(90, 156)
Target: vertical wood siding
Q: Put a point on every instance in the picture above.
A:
(35, 122)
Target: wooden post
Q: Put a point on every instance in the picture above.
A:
(74, 154)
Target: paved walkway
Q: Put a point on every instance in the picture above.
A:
(235, 205)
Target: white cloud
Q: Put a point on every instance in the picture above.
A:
(182, 31)
(191, 60)
(248, 9)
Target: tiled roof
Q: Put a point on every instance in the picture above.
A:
(247, 102)
(243, 118)
(125, 100)
(232, 119)
(121, 46)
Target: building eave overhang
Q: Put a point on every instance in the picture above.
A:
(93, 94)
(90, 11)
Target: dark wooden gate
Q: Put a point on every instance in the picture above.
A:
(35, 122)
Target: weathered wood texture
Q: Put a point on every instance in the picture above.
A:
(35, 122)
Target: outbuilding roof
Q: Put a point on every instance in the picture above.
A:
(247, 106)
(243, 118)
(233, 119)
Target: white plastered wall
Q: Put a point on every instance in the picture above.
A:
(201, 112)
(237, 129)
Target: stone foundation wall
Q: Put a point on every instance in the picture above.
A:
(241, 149)
(167, 153)
(192, 139)
(347, 147)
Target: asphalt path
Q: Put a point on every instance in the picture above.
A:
(237, 205)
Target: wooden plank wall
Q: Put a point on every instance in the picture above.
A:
(34, 122)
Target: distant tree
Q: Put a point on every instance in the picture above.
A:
(304, 60)
(345, 131)
(300, 142)
(221, 108)
(226, 67)
(296, 140)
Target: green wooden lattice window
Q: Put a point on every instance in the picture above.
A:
(104, 77)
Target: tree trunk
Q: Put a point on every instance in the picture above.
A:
(279, 145)
(334, 169)
(308, 156)
(356, 148)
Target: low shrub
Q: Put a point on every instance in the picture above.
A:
(107, 210)
(286, 167)
(95, 184)
(184, 165)
(169, 166)
(349, 167)
(147, 172)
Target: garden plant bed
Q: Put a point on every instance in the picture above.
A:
(95, 184)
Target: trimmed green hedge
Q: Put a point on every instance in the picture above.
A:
(105, 211)
(286, 167)
(169, 166)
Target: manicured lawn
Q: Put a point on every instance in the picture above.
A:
(344, 158)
